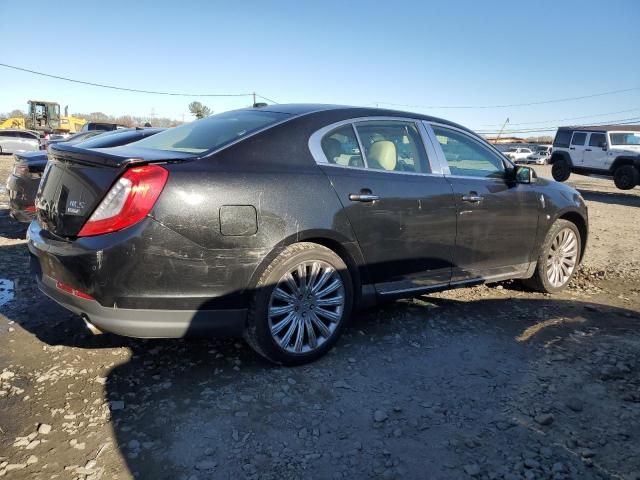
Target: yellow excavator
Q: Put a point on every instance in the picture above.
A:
(45, 117)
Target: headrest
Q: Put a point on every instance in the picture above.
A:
(332, 148)
(382, 155)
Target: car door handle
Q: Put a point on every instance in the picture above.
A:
(472, 198)
(572, 148)
(363, 197)
(587, 149)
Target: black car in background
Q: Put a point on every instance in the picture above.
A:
(75, 138)
(101, 127)
(28, 168)
(276, 222)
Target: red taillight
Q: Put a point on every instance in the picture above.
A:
(76, 293)
(129, 200)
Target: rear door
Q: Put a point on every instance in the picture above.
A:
(577, 148)
(595, 152)
(497, 219)
(401, 208)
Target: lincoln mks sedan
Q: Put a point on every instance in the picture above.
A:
(276, 223)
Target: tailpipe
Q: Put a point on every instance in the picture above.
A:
(92, 328)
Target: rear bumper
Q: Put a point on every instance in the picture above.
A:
(22, 196)
(142, 323)
(147, 281)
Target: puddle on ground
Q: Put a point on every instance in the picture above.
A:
(6, 291)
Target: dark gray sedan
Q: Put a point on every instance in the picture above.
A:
(277, 222)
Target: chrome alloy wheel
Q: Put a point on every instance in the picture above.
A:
(562, 257)
(306, 306)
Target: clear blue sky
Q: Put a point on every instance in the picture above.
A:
(347, 52)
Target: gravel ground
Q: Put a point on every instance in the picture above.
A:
(487, 382)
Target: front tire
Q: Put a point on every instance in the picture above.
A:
(626, 177)
(561, 170)
(300, 306)
(559, 258)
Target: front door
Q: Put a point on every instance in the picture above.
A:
(497, 219)
(402, 214)
(595, 153)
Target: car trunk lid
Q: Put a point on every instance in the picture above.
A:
(76, 180)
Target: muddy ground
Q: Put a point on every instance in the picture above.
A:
(486, 382)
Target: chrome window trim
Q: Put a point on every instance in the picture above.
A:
(315, 144)
(473, 137)
(375, 170)
(362, 152)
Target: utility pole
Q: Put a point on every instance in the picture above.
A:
(254, 98)
(501, 130)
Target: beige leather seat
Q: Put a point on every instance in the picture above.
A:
(382, 155)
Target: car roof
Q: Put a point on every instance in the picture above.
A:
(604, 128)
(298, 109)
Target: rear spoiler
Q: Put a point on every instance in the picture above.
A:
(92, 157)
(115, 157)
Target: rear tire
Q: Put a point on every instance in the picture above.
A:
(559, 258)
(561, 170)
(626, 177)
(300, 305)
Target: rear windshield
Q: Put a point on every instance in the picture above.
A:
(211, 132)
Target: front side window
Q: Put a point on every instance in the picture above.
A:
(578, 138)
(211, 132)
(340, 146)
(393, 146)
(597, 140)
(626, 138)
(468, 157)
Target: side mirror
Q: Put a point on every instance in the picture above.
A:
(603, 145)
(525, 175)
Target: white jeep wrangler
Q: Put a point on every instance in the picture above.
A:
(610, 150)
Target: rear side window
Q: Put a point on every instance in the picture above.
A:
(563, 137)
(212, 132)
(8, 134)
(393, 146)
(26, 135)
(578, 138)
(597, 139)
(341, 147)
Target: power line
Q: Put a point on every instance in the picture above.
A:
(565, 119)
(125, 89)
(542, 102)
(267, 99)
(627, 121)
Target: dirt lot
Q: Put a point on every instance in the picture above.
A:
(486, 382)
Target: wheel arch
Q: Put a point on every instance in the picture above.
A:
(555, 156)
(625, 160)
(581, 223)
(347, 250)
